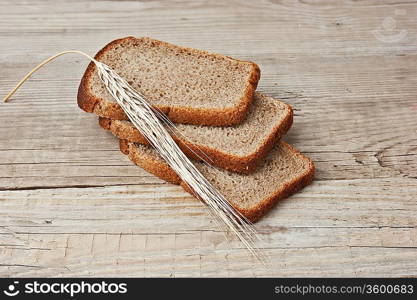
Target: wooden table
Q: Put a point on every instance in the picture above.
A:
(73, 205)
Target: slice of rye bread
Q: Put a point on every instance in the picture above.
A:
(237, 148)
(190, 86)
(283, 172)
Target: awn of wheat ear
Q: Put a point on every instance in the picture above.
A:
(150, 122)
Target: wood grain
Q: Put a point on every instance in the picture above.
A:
(72, 205)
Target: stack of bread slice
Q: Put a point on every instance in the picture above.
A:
(218, 116)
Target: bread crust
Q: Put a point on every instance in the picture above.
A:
(152, 166)
(186, 115)
(240, 164)
(162, 170)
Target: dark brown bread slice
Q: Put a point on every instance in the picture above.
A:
(190, 86)
(237, 148)
(283, 172)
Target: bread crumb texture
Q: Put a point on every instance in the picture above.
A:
(169, 75)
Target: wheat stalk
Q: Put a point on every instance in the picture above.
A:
(149, 122)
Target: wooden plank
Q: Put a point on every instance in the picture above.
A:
(70, 226)
(376, 202)
(72, 205)
(153, 255)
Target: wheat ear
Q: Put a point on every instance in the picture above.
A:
(148, 121)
